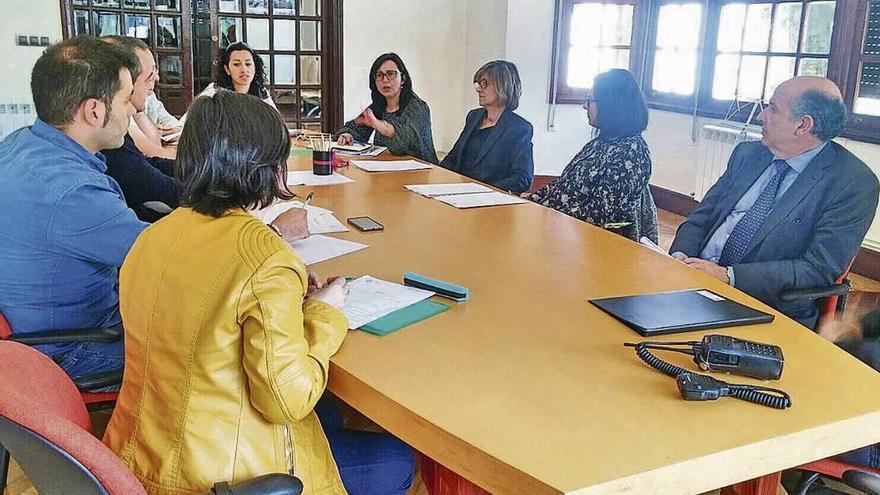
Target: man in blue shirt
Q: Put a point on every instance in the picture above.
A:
(66, 227)
(789, 212)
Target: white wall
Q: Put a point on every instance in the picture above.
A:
(28, 17)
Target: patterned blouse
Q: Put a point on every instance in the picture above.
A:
(607, 182)
(412, 131)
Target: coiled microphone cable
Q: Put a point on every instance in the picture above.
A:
(694, 386)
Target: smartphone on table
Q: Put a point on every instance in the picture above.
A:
(365, 224)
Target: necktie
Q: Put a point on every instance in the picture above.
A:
(741, 237)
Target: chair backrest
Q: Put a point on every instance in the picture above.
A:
(828, 307)
(46, 428)
(5, 329)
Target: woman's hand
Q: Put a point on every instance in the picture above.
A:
(293, 224)
(346, 138)
(314, 283)
(334, 293)
(368, 118)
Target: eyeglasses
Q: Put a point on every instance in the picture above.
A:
(390, 75)
(481, 84)
(589, 100)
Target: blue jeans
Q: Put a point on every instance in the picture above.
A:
(369, 463)
(87, 358)
(866, 456)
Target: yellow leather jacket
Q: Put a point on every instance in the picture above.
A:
(224, 360)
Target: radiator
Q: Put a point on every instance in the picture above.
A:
(714, 149)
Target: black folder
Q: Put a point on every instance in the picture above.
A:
(679, 311)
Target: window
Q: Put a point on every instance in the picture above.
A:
(719, 56)
(294, 38)
(749, 49)
(864, 90)
(594, 36)
(157, 23)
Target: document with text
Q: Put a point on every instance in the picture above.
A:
(306, 177)
(390, 166)
(477, 200)
(371, 298)
(434, 190)
(318, 248)
(321, 220)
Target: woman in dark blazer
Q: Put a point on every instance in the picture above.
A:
(495, 146)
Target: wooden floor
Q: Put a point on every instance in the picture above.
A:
(865, 298)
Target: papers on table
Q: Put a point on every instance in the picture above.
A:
(306, 177)
(648, 243)
(390, 166)
(321, 220)
(465, 194)
(318, 248)
(354, 146)
(480, 199)
(434, 190)
(370, 150)
(370, 299)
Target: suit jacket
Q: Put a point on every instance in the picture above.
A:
(505, 159)
(810, 236)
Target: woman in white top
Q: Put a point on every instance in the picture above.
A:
(243, 72)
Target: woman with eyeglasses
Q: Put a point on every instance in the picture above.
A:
(495, 146)
(606, 183)
(400, 119)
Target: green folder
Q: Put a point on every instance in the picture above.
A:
(300, 152)
(404, 317)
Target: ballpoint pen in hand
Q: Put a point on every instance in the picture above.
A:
(308, 199)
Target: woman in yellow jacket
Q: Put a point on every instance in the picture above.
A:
(227, 338)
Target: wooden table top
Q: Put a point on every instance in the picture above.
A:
(528, 389)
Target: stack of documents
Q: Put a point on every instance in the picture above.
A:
(465, 194)
(306, 177)
(390, 166)
(370, 299)
(358, 149)
(321, 220)
(318, 248)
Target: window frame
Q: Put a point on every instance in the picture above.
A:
(561, 41)
(844, 60)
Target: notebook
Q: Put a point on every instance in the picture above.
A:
(679, 311)
(404, 317)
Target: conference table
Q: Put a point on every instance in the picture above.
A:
(527, 388)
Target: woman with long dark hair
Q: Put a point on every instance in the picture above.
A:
(243, 72)
(229, 338)
(606, 183)
(400, 119)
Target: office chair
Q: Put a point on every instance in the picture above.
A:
(45, 426)
(86, 384)
(861, 478)
(833, 296)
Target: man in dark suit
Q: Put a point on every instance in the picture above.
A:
(791, 211)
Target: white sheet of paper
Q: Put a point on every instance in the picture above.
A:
(306, 177)
(648, 243)
(318, 248)
(390, 166)
(477, 200)
(321, 220)
(371, 298)
(432, 190)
